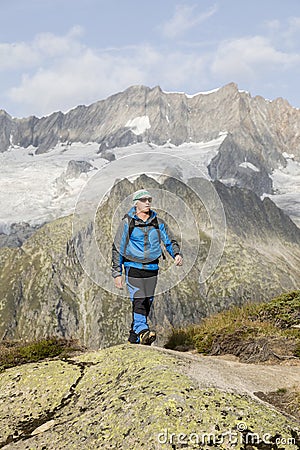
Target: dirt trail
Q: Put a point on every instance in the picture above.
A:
(228, 374)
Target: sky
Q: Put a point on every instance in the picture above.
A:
(57, 54)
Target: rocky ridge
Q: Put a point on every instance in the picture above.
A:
(259, 132)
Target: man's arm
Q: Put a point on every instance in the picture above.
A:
(117, 262)
(170, 242)
(118, 249)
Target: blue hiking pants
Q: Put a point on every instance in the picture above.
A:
(141, 285)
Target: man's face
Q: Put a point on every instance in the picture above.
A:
(143, 204)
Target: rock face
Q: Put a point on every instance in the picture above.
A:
(237, 166)
(259, 131)
(75, 168)
(43, 283)
(17, 234)
(129, 397)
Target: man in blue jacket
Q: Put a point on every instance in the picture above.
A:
(137, 247)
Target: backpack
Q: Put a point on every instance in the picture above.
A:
(131, 225)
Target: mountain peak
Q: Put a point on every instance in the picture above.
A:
(144, 114)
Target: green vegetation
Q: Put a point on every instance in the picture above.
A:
(283, 311)
(14, 353)
(254, 332)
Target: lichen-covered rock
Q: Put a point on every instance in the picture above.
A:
(29, 392)
(134, 397)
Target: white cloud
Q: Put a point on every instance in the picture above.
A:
(14, 56)
(51, 45)
(60, 72)
(185, 18)
(284, 34)
(273, 25)
(291, 35)
(249, 57)
(63, 72)
(87, 76)
(22, 55)
(294, 25)
(75, 80)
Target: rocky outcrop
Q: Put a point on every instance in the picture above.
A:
(250, 218)
(235, 165)
(6, 125)
(76, 168)
(16, 234)
(107, 154)
(133, 397)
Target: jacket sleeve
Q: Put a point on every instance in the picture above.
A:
(118, 248)
(169, 240)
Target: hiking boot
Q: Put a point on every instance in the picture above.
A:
(133, 337)
(147, 337)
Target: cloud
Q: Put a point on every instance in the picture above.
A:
(249, 57)
(273, 24)
(185, 18)
(291, 35)
(51, 45)
(80, 79)
(58, 72)
(89, 76)
(14, 56)
(23, 55)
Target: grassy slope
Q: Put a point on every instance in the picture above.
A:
(230, 331)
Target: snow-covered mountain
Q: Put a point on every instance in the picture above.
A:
(228, 135)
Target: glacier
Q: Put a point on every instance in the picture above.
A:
(34, 189)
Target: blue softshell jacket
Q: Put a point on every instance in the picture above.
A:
(143, 249)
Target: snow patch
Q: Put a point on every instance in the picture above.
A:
(138, 125)
(288, 155)
(286, 184)
(193, 95)
(202, 93)
(249, 165)
(228, 181)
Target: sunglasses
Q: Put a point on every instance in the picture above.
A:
(144, 199)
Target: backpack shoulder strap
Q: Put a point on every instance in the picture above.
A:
(130, 228)
(131, 223)
(156, 225)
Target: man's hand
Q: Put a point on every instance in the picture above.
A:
(119, 282)
(178, 260)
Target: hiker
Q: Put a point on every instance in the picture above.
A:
(137, 246)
